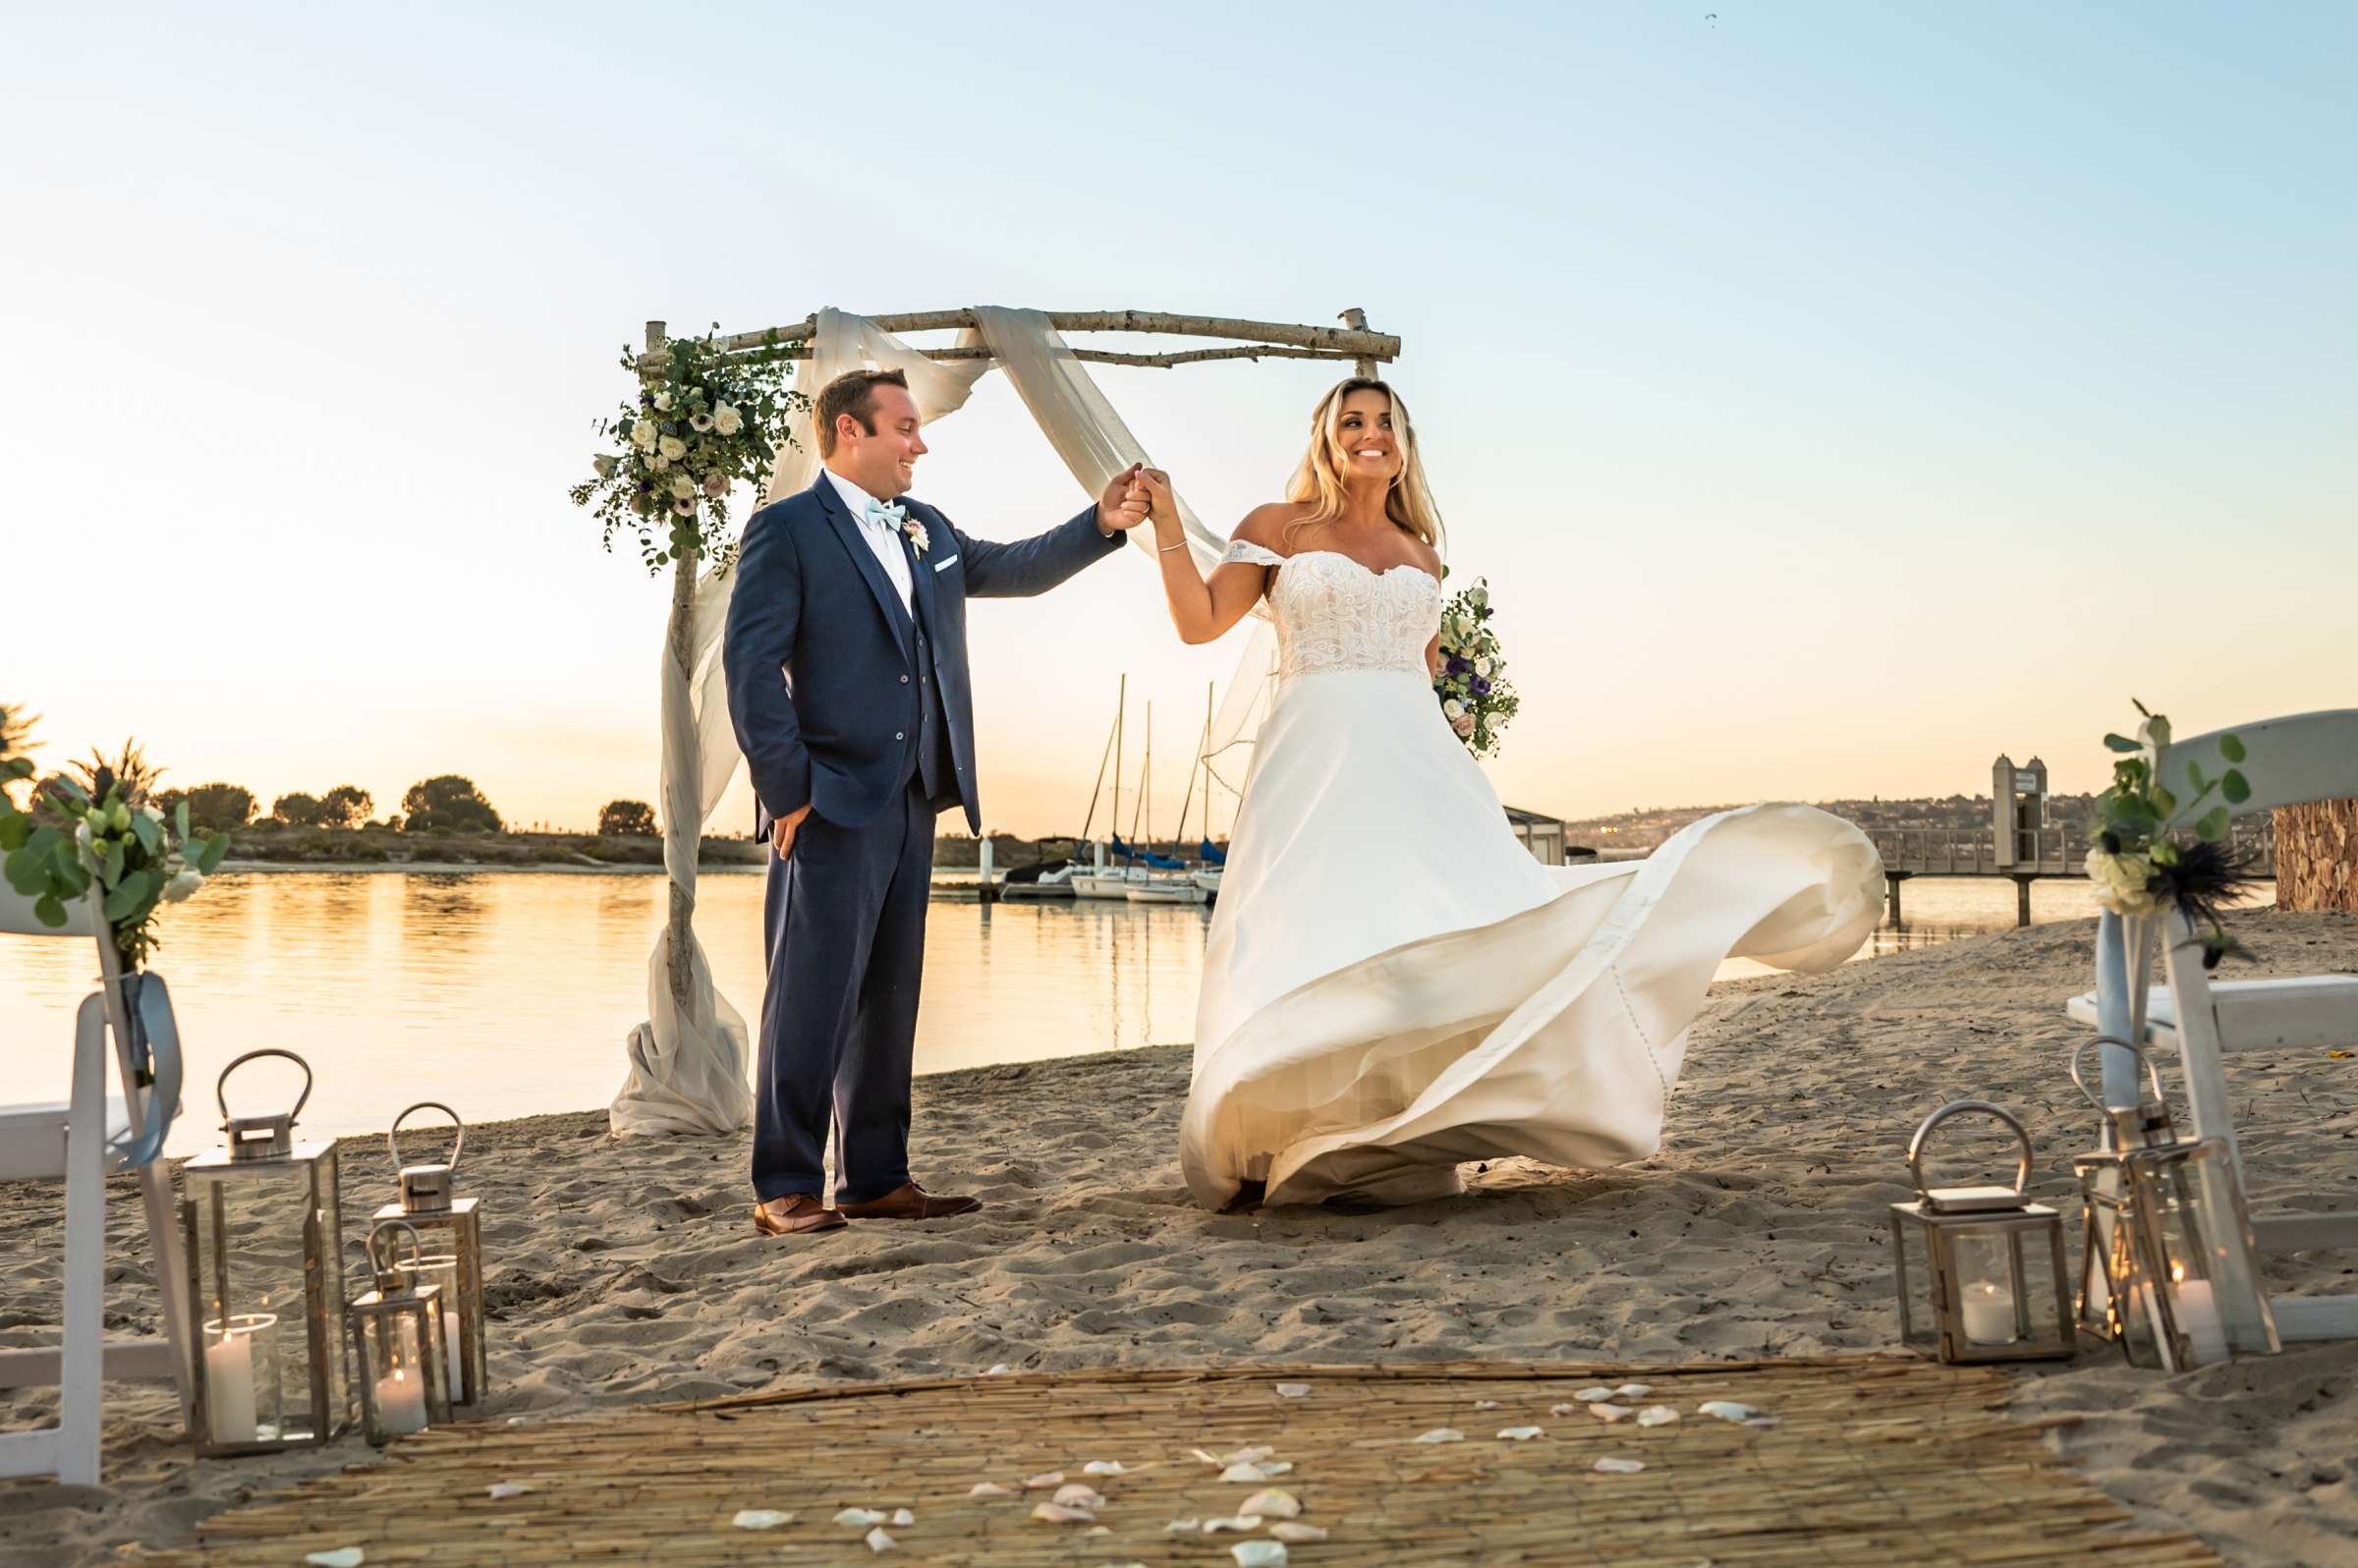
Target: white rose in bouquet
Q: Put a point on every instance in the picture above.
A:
(717, 485)
(1454, 709)
(659, 462)
(2120, 883)
(673, 447)
(1481, 667)
(727, 419)
(1463, 724)
(605, 464)
(642, 435)
(178, 889)
(663, 400)
(683, 487)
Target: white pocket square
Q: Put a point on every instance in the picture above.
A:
(944, 566)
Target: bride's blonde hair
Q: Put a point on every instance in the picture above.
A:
(1318, 482)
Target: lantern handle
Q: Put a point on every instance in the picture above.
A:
(417, 1244)
(456, 1150)
(2153, 1074)
(221, 1089)
(2022, 1169)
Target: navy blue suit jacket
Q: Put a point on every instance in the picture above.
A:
(822, 659)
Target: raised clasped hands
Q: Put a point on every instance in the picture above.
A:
(1162, 506)
(1123, 506)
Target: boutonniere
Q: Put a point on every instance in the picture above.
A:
(919, 539)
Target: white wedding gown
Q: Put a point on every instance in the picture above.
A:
(1392, 985)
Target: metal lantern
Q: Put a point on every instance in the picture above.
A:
(453, 1231)
(2147, 1263)
(262, 1222)
(1980, 1269)
(397, 1338)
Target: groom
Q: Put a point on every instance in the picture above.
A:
(846, 661)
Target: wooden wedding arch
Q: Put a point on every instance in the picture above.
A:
(1354, 343)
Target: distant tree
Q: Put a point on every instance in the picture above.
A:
(447, 802)
(346, 805)
(217, 808)
(627, 819)
(296, 810)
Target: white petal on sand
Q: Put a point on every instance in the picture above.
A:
(501, 1491)
(1054, 1477)
(1293, 1390)
(990, 1488)
(1518, 1434)
(1105, 1467)
(999, 1371)
(880, 1542)
(1727, 1410)
(341, 1557)
(1274, 1503)
(1594, 1395)
(1565, 1410)
(1486, 1404)
(850, 1518)
(1634, 1390)
(1059, 1514)
(1099, 1529)
(1255, 1474)
(1240, 1524)
(1258, 1554)
(1656, 1415)
(1612, 1413)
(1248, 1456)
(901, 1519)
(770, 1519)
(1074, 1494)
(1296, 1532)
(1183, 1527)
(1618, 1466)
(1441, 1434)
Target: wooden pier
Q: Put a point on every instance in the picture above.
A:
(2034, 853)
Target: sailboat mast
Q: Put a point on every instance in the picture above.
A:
(1204, 755)
(1121, 711)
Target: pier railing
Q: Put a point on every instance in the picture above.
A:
(2037, 851)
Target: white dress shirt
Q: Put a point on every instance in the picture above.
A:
(881, 535)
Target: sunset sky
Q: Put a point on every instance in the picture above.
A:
(1834, 395)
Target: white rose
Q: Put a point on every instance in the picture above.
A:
(673, 447)
(1463, 724)
(151, 814)
(2120, 883)
(659, 462)
(727, 421)
(683, 487)
(179, 888)
(86, 846)
(663, 400)
(717, 485)
(1481, 667)
(642, 435)
(1454, 709)
(605, 464)
(699, 423)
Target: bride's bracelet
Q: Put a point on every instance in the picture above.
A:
(1165, 549)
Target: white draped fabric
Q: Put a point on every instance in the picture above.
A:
(688, 1065)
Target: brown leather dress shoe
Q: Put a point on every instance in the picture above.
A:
(795, 1214)
(911, 1202)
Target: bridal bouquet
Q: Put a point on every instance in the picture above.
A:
(714, 418)
(2141, 872)
(100, 828)
(1472, 685)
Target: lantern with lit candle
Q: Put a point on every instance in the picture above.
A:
(1980, 1269)
(397, 1338)
(2147, 1255)
(452, 1230)
(261, 1220)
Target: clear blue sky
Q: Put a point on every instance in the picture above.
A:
(1834, 395)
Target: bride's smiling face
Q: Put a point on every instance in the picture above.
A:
(1366, 445)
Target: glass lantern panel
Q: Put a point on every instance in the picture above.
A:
(327, 1213)
(251, 1297)
(1990, 1287)
(393, 1363)
(1912, 1263)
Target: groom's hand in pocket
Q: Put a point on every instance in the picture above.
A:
(782, 831)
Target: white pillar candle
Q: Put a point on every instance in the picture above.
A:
(229, 1389)
(400, 1403)
(451, 1378)
(1989, 1313)
(2198, 1315)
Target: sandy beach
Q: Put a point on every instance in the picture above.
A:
(624, 1272)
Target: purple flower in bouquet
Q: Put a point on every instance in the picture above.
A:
(1482, 687)
(1459, 664)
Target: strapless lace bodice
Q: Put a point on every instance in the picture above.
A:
(1334, 614)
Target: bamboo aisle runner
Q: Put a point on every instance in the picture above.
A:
(1872, 1461)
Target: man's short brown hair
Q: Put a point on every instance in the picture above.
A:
(854, 393)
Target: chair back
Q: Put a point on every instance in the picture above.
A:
(16, 917)
(2287, 761)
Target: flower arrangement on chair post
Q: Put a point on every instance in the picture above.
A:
(109, 836)
(2140, 872)
(1472, 685)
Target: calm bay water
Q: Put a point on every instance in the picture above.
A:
(509, 993)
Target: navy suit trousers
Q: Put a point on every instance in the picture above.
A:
(846, 919)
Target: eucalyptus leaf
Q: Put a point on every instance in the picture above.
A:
(2213, 825)
(2164, 802)
(2194, 774)
(2121, 743)
(180, 821)
(110, 867)
(122, 900)
(2230, 746)
(2159, 728)
(25, 871)
(214, 849)
(48, 911)
(13, 831)
(149, 835)
(2235, 787)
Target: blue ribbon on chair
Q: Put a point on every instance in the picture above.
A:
(154, 1054)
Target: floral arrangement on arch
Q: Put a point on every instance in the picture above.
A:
(714, 419)
(1475, 696)
(2140, 872)
(100, 829)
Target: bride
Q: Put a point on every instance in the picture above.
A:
(1392, 985)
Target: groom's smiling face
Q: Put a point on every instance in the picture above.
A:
(883, 464)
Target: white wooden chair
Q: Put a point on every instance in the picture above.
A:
(43, 1142)
(2288, 762)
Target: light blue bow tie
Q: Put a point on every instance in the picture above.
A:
(891, 513)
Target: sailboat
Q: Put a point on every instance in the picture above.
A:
(1211, 860)
(1098, 879)
(1171, 883)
